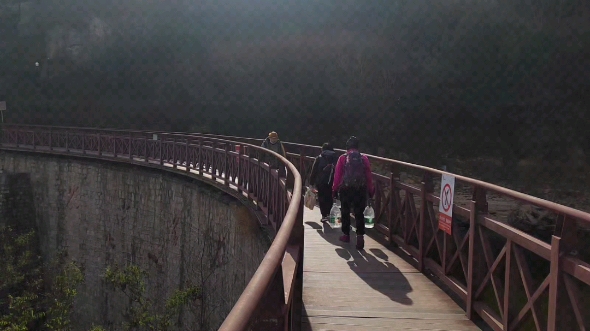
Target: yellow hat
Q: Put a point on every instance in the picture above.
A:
(273, 135)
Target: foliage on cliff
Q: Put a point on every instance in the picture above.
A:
(30, 300)
(27, 300)
(140, 313)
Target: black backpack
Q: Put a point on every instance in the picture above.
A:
(325, 170)
(354, 171)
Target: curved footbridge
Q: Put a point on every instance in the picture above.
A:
(371, 289)
(479, 273)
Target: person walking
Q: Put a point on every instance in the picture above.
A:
(273, 143)
(353, 180)
(322, 176)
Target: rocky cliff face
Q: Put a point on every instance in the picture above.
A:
(179, 231)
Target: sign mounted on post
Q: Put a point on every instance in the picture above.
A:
(445, 207)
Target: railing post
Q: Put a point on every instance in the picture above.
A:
(428, 182)
(297, 238)
(257, 181)
(145, 149)
(67, 141)
(394, 168)
(390, 207)
(470, 260)
(50, 139)
(240, 180)
(173, 153)
(98, 145)
(478, 259)
(186, 160)
(130, 147)
(507, 272)
(34, 143)
(555, 276)
(200, 156)
(421, 244)
(566, 230)
(302, 161)
(289, 181)
(84, 142)
(249, 176)
(426, 188)
(226, 166)
(212, 161)
(114, 146)
(270, 313)
(161, 144)
(298, 299)
(479, 196)
(269, 205)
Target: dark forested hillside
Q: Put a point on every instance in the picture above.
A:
(453, 78)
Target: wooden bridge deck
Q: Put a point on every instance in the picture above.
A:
(373, 289)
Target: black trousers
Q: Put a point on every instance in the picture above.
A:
(355, 198)
(325, 199)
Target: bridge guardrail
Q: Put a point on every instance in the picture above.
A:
(509, 278)
(271, 300)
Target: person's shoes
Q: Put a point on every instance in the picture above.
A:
(360, 242)
(345, 238)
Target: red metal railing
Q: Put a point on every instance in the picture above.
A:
(271, 300)
(510, 279)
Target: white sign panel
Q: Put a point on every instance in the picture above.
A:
(445, 207)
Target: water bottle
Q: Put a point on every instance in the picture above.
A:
(335, 215)
(369, 214)
(336, 203)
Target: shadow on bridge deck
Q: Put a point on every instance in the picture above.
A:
(373, 289)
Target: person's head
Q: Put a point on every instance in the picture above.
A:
(273, 137)
(327, 147)
(352, 143)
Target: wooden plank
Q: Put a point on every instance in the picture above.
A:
(289, 266)
(371, 289)
(577, 268)
(346, 323)
(396, 314)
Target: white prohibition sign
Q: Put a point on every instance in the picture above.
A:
(447, 197)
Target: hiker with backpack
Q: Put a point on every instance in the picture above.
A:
(352, 181)
(322, 176)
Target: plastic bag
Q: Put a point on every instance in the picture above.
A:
(309, 199)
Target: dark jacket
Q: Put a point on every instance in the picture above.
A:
(277, 148)
(322, 171)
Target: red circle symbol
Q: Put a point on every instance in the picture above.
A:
(446, 198)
